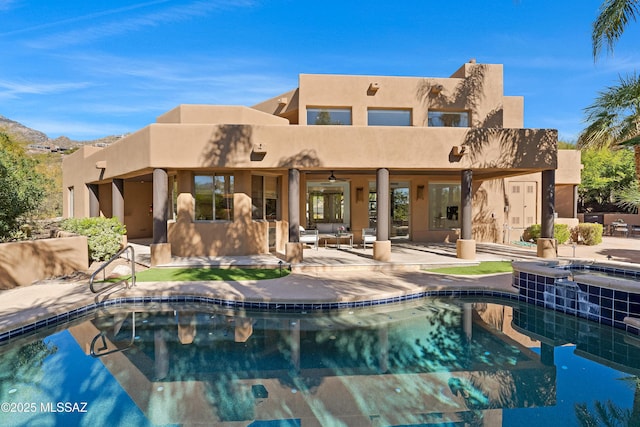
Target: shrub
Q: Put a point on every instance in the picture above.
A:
(532, 232)
(560, 233)
(21, 188)
(103, 234)
(590, 234)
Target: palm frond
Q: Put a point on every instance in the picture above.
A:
(602, 132)
(629, 198)
(613, 17)
(631, 142)
(614, 117)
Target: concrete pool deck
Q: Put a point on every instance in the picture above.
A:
(327, 275)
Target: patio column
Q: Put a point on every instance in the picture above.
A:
(94, 200)
(117, 196)
(575, 202)
(294, 327)
(160, 205)
(467, 320)
(547, 354)
(160, 248)
(547, 247)
(382, 245)
(383, 348)
(293, 249)
(466, 245)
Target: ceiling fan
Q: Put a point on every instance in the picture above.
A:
(332, 178)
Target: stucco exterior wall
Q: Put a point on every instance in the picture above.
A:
(478, 88)
(315, 147)
(569, 167)
(219, 114)
(22, 263)
(273, 137)
(564, 201)
(218, 238)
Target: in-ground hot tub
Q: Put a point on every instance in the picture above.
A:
(607, 293)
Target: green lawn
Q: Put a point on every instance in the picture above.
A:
(487, 267)
(205, 273)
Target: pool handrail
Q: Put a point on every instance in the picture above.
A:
(102, 334)
(113, 258)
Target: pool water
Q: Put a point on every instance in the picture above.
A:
(434, 362)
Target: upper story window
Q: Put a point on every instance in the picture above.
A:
(328, 116)
(378, 117)
(213, 197)
(453, 119)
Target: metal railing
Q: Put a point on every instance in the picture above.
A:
(113, 258)
(101, 335)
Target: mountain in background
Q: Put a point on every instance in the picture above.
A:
(39, 140)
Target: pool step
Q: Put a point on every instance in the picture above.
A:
(632, 321)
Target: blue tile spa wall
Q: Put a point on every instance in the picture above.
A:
(596, 303)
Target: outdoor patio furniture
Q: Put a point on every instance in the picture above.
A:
(368, 236)
(309, 237)
(334, 231)
(619, 227)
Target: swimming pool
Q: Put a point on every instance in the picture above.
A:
(430, 362)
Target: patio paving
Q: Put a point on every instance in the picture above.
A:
(326, 275)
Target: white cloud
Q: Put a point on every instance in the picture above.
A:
(13, 89)
(194, 79)
(129, 23)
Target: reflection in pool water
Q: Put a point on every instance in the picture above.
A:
(437, 362)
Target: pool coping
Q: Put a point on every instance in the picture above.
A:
(296, 292)
(76, 313)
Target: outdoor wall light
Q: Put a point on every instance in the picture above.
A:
(260, 148)
(359, 194)
(332, 177)
(458, 150)
(436, 89)
(420, 192)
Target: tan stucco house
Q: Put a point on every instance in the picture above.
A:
(424, 159)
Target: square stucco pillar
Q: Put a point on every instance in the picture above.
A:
(382, 250)
(293, 252)
(117, 199)
(94, 200)
(160, 248)
(160, 253)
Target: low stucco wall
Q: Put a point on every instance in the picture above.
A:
(22, 263)
(190, 239)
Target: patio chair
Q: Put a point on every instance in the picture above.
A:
(619, 226)
(368, 236)
(309, 237)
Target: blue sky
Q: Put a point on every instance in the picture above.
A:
(88, 69)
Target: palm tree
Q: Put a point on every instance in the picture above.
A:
(611, 22)
(613, 120)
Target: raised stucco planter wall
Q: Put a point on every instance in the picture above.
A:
(22, 263)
